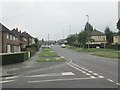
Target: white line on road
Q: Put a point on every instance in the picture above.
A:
(67, 73)
(11, 77)
(58, 80)
(101, 77)
(7, 81)
(110, 80)
(95, 74)
(118, 84)
(92, 76)
(75, 67)
(53, 74)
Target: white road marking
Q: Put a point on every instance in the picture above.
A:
(110, 80)
(11, 77)
(118, 84)
(95, 74)
(87, 74)
(83, 68)
(92, 76)
(86, 69)
(101, 77)
(58, 80)
(90, 71)
(75, 64)
(68, 73)
(75, 67)
(83, 72)
(7, 81)
(53, 74)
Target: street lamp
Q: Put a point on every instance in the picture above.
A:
(88, 28)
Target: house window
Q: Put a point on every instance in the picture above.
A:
(7, 36)
(11, 37)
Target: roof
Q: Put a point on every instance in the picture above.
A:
(16, 32)
(4, 29)
(25, 34)
(97, 33)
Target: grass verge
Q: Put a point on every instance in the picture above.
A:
(48, 55)
(109, 53)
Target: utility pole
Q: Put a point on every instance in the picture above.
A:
(88, 29)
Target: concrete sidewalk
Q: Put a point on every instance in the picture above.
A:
(30, 62)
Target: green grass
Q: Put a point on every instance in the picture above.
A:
(109, 53)
(43, 59)
(48, 55)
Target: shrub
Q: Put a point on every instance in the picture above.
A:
(14, 58)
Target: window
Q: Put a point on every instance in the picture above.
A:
(7, 36)
(14, 37)
(11, 37)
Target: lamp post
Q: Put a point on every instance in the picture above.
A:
(88, 29)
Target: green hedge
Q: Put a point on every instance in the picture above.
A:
(14, 58)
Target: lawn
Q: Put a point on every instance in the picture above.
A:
(48, 55)
(43, 59)
(109, 53)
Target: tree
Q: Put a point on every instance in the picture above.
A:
(118, 26)
(72, 39)
(109, 35)
(82, 38)
(88, 27)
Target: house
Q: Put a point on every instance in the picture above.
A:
(28, 37)
(99, 38)
(9, 41)
(116, 39)
(25, 39)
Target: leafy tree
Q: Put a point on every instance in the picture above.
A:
(82, 38)
(109, 35)
(88, 27)
(72, 39)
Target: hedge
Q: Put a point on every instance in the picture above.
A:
(14, 58)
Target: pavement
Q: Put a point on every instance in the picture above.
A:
(81, 70)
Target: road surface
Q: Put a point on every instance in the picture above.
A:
(80, 70)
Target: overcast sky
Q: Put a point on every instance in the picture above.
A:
(41, 18)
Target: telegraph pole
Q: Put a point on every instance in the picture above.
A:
(88, 29)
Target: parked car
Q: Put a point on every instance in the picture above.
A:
(63, 45)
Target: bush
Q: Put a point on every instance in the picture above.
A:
(116, 46)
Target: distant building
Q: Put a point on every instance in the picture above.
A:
(116, 39)
(99, 38)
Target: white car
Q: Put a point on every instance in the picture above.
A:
(63, 46)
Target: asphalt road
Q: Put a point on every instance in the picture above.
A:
(81, 70)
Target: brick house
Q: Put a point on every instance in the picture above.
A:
(28, 37)
(9, 41)
(99, 38)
